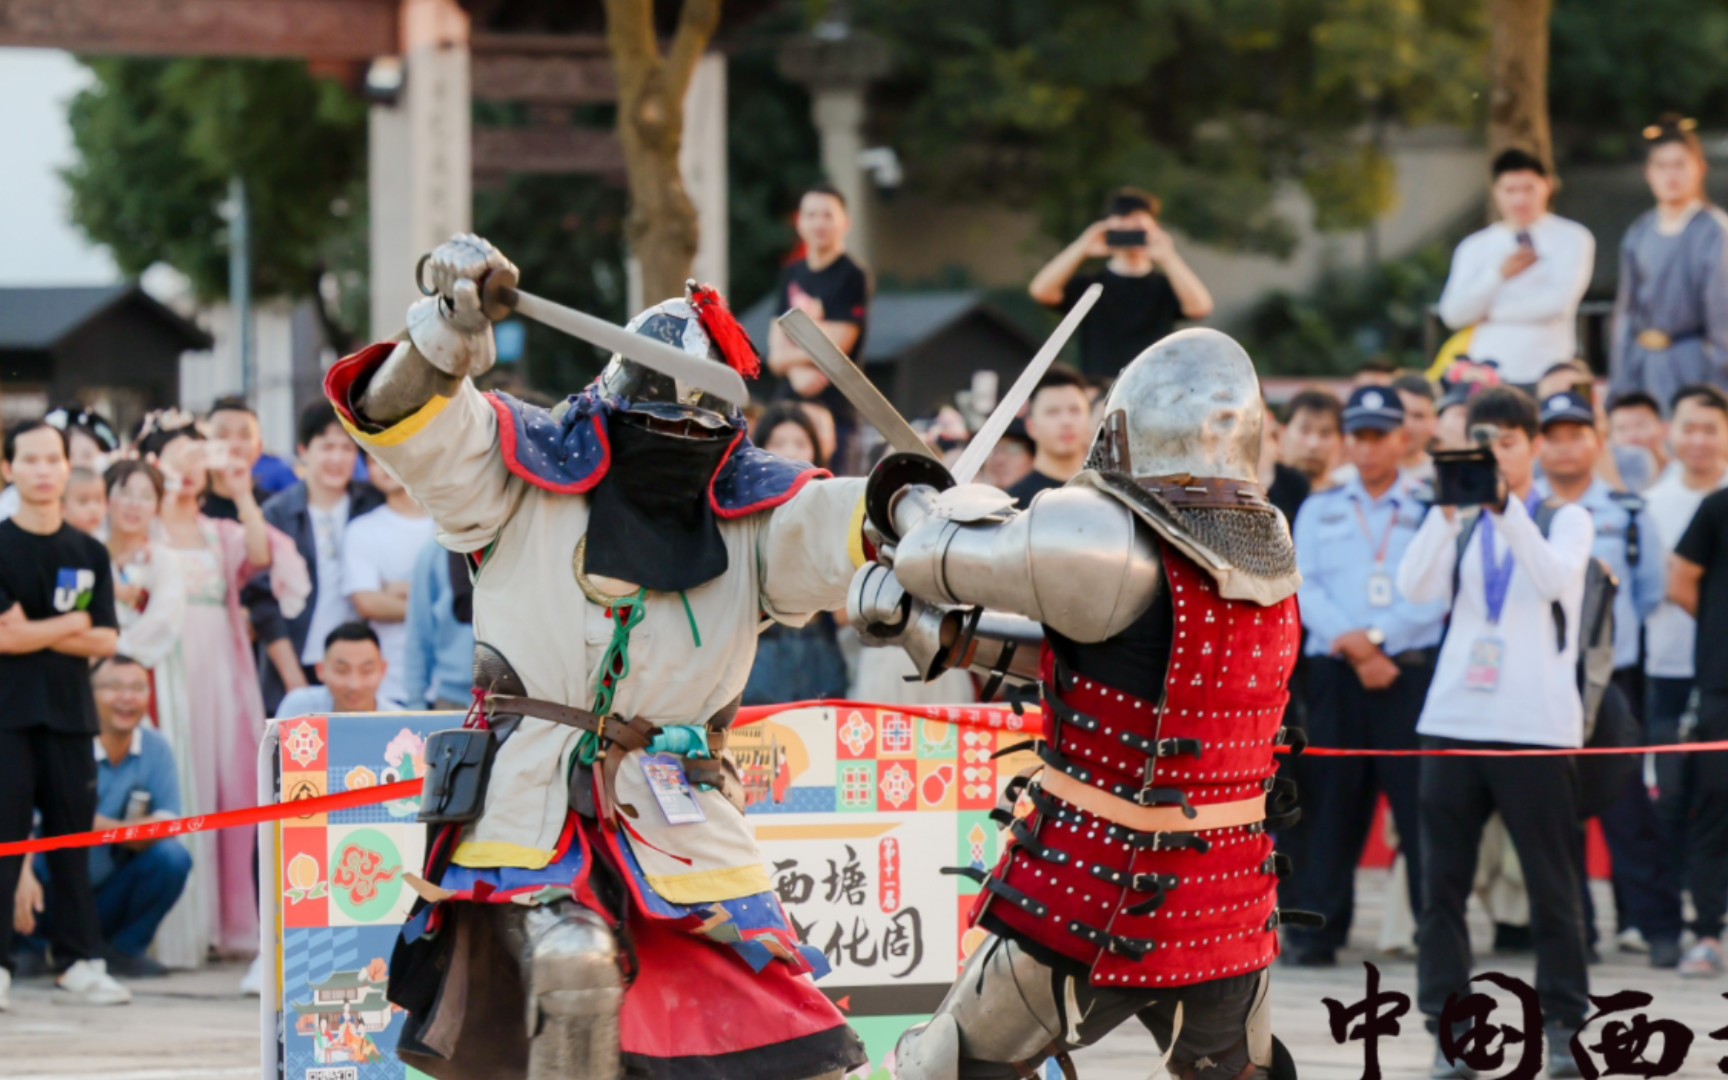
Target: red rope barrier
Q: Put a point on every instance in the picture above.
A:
(231, 819)
(993, 717)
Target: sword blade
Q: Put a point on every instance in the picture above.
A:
(852, 383)
(972, 458)
(709, 376)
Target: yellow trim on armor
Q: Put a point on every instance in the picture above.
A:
(404, 429)
(707, 886)
(497, 855)
(855, 538)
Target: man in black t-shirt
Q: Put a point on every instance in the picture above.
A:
(829, 286)
(56, 615)
(1059, 421)
(1147, 285)
(1698, 583)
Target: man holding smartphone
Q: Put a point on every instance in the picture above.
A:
(1506, 679)
(1518, 282)
(1147, 285)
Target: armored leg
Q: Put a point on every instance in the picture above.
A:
(1002, 1009)
(1220, 1031)
(573, 987)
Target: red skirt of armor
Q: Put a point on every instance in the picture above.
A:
(1160, 909)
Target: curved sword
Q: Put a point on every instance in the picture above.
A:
(853, 384)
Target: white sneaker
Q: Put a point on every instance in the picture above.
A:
(253, 984)
(5, 990)
(1631, 940)
(88, 983)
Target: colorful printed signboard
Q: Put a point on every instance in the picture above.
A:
(858, 811)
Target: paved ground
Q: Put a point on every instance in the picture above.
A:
(195, 1027)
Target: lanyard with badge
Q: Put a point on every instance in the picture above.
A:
(1488, 652)
(1380, 590)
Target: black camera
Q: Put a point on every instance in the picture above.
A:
(1125, 238)
(1466, 477)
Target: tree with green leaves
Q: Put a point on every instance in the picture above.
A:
(566, 234)
(1210, 104)
(1620, 64)
(159, 140)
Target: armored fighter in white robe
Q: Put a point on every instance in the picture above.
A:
(594, 903)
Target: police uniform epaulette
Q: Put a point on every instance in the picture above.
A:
(1629, 501)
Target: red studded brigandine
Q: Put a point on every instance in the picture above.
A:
(1189, 895)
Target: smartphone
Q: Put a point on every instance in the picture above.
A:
(1466, 477)
(1125, 238)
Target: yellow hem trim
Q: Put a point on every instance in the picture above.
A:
(497, 855)
(404, 429)
(855, 539)
(707, 886)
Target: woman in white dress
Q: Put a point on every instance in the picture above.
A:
(150, 599)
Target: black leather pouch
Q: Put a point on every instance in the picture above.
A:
(458, 768)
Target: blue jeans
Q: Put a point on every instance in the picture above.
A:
(135, 899)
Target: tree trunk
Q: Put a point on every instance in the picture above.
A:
(662, 226)
(1518, 64)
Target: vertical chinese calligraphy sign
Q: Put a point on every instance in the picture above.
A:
(858, 811)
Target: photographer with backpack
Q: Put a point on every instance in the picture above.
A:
(1646, 896)
(1506, 679)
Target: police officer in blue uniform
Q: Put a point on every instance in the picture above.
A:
(1646, 892)
(1370, 657)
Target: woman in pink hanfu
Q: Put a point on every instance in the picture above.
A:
(225, 709)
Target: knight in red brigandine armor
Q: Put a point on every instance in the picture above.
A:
(1153, 601)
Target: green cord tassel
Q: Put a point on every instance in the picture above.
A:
(691, 615)
(614, 668)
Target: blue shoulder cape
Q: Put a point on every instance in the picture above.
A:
(564, 451)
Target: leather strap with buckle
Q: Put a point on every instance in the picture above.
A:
(1207, 492)
(1121, 811)
(620, 736)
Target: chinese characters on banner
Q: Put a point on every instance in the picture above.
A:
(1617, 1039)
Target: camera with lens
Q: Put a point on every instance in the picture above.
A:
(1469, 477)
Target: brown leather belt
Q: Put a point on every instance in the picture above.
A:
(1225, 815)
(620, 736)
(1209, 492)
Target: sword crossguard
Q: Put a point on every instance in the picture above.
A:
(498, 294)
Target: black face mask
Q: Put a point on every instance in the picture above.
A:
(650, 521)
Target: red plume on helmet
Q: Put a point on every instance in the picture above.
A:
(723, 329)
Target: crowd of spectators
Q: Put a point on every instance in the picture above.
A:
(162, 595)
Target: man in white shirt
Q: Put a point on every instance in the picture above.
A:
(378, 555)
(1506, 679)
(1519, 281)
